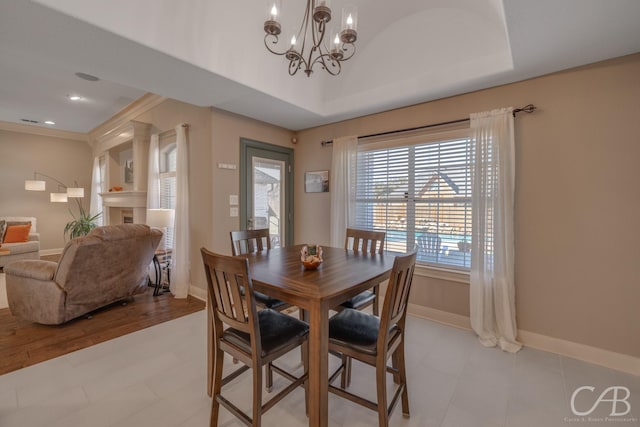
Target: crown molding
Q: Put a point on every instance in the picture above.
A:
(127, 114)
(42, 131)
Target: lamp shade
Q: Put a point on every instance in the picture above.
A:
(75, 192)
(35, 185)
(160, 218)
(58, 197)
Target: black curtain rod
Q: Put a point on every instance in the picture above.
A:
(527, 109)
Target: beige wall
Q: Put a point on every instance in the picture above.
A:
(577, 201)
(22, 154)
(214, 137)
(226, 131)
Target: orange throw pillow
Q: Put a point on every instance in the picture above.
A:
(17, 233)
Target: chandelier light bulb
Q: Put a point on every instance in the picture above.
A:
(271, 25)
(293, 40)
(350, 21)
(336, 40)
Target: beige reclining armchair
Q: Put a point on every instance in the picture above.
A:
(108, 264)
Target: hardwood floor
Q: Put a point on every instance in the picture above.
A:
(23, 343)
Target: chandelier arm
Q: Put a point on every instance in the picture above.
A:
(348, 52)
(274, 42)
(296, 62)
(294, 66)
(334, 64)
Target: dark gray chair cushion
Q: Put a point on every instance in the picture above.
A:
(356, 329)
(276, 331)
(268, 302)
(360, 300)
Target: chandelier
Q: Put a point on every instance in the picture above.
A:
(313, 36)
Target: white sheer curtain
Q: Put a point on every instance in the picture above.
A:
(342, 187)
(180, 279)
(95, 204)
(492, 296)
(153, 180)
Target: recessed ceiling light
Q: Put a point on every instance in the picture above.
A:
(75, 97)
(88, 77)
(49, 122)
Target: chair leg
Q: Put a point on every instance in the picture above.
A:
(376, 300)
(402, 373)
(381, 386)
(344, 361)
(268, 371)
(216, 387)
(257, 395)
(394, 364)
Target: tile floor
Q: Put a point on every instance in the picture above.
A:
(156, 377)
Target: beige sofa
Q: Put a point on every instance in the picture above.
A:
(107, 265)
(23, 250)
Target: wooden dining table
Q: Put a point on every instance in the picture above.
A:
(342, 275)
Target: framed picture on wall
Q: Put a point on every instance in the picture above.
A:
(316, 182)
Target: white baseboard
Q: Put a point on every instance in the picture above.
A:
(586, 353)
(47, 252)
(199, 293)
(598, 356)
(439, 316)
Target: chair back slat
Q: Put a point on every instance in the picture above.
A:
(364, 240)
(249, 241)
(226, 277)
(396, 300)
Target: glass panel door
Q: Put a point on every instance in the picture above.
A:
(266, 190)
(268, 197)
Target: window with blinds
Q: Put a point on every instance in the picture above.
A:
(168, 184)
(419, 193)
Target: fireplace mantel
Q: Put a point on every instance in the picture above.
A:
(124, 199)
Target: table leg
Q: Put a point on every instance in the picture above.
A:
(318, 365)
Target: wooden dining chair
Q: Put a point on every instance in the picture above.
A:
(250, 241)
(373, 340)
(363, 241)
(256, 338)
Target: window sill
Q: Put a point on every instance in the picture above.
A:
(442, 274)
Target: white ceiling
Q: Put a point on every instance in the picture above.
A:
(211, 53)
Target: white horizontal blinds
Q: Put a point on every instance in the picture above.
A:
(443, 202)
(168, 185)
(419, 194)
(381, 185)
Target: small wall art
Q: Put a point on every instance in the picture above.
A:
(316, 182)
